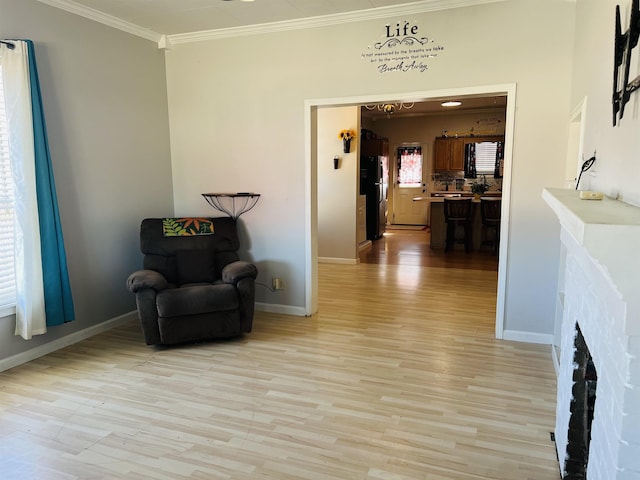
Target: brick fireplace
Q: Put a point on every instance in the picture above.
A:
(599, 292)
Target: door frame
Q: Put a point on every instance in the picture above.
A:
(394, 176)
(311, 180)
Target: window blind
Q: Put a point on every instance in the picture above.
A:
(486, 157)
(7, 202)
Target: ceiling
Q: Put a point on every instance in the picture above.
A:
(182, 16)
(176, 21)
(179, 17)
(470, 104)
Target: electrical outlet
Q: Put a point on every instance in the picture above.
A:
(278, 283)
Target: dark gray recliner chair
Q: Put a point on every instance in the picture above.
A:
(194, 287)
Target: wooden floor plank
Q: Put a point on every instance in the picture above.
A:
(397, 377)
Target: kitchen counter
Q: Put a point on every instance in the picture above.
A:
(438, 197)
(439, 226)
(463, 193)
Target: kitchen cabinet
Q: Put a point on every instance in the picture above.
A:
(448, 154)
(375, 147)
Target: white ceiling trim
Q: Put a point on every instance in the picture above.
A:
(104, 18)
(324, 20)
(167, 41)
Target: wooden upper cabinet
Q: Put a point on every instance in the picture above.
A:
(441, 154)
(375, 147)
(448, 154)
(457, 154)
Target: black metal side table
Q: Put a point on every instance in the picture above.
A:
(233, 204)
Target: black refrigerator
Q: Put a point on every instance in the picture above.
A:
(374, 184)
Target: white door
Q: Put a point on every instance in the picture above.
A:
(409, 185)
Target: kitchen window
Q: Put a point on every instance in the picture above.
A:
(410, 167)
(486, 157)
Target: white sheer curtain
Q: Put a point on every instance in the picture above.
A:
(30, 307)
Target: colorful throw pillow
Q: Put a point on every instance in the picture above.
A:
(179, 227)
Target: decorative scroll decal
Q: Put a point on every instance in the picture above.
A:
(402, 49)
(392, 42)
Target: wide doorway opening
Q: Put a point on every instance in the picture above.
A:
(432, 150)
(506, 90)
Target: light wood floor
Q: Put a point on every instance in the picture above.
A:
(402, 246)
(397, 377)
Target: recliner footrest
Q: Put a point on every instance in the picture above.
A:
(193, 300)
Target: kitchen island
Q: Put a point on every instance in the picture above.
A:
(439, 226)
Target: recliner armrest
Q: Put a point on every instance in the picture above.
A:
(146, 279)
(236, 271)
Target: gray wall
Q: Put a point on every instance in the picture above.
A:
(105, 103)
(252, 115)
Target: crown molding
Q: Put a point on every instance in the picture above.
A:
(104, 18)
(167, 41)
(325, 20)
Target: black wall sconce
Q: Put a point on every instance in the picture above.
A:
(624, 44)
(336, 162)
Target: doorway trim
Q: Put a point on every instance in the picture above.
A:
(311, 180)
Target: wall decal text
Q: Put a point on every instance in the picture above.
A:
(402, 49)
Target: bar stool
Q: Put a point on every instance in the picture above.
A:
(457, 213)
(490, 209)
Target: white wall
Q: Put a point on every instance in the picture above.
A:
(337, 189)
(104, 95)
(237, 123)
(617, 166)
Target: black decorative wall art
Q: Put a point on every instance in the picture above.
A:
(624, 45)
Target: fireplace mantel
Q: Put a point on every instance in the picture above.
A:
(609, 230)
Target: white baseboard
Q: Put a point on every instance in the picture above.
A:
(367, 244)
(528, 337)
(277, 308)
(75, 337)
(342, 261)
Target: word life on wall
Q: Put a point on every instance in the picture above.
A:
(402, 48)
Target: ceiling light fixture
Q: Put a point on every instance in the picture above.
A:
(451, 103)
(390, 108)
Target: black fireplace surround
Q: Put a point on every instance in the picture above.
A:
(582, 407)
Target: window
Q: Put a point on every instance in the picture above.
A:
(7, 272)
(34, 282)
(486, 158)
(410, 167)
